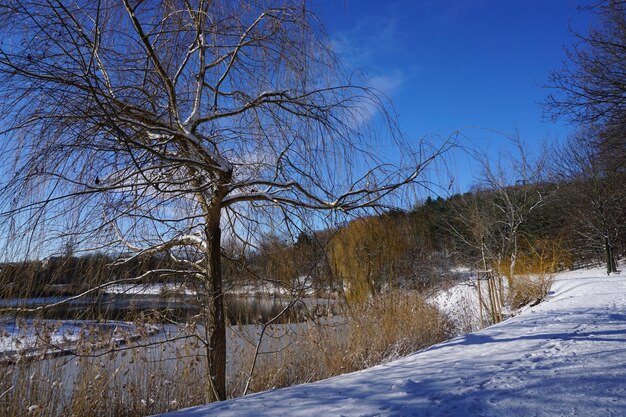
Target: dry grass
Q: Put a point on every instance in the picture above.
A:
(382, 329)
(391, 326)
(144, 381)
(133, 382)
(529, 289)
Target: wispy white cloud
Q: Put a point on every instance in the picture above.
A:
(388, 83)
(366, 51)
(369, 45)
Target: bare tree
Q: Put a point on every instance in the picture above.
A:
(154, 127)
(490, 222)
(590, 88)
(595, 193)
(519, 192)
(591, 85)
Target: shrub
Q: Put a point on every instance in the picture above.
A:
(529, 289)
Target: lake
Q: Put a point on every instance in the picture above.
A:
(240, 309)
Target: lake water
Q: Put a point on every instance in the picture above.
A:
(128, 307)
(167, 366)
(115, 352)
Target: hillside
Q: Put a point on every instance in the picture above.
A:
(563, 357)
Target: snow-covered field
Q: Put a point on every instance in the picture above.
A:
(564, 357)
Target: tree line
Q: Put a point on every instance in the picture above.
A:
(519, 228)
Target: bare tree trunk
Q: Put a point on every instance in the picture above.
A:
(496, 298)
(492, 308)
(513, 259)
(610, 257)
(216, 323)
(480, 295)
(501, 289)
(480, 301)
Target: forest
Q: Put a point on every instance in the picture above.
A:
(555, 223)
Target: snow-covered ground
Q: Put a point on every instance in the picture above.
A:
(148, 289)
(459, 303)
(43, 337)
(563, 357)
(301, 286)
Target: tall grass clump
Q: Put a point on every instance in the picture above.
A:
(129, 382)
(535, 265)
(150, 376)
(390, 326)
(386, 327)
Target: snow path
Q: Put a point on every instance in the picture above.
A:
(564, 357)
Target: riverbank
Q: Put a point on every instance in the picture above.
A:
(563, 357)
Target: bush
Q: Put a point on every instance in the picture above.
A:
(529, 289)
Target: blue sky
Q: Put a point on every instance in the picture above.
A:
(475, 65)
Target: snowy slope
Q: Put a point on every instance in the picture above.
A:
(564, 357)
(459, 303)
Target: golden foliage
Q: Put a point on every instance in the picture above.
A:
(534, 264)
(539, 257)
(367, 255)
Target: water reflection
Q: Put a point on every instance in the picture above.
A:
(129, 307)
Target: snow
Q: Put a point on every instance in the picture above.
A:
(148, 289)
(25, 338)
(460, 304)
(14, 338)
(459, 301)
(300, 286)
(563, 357)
